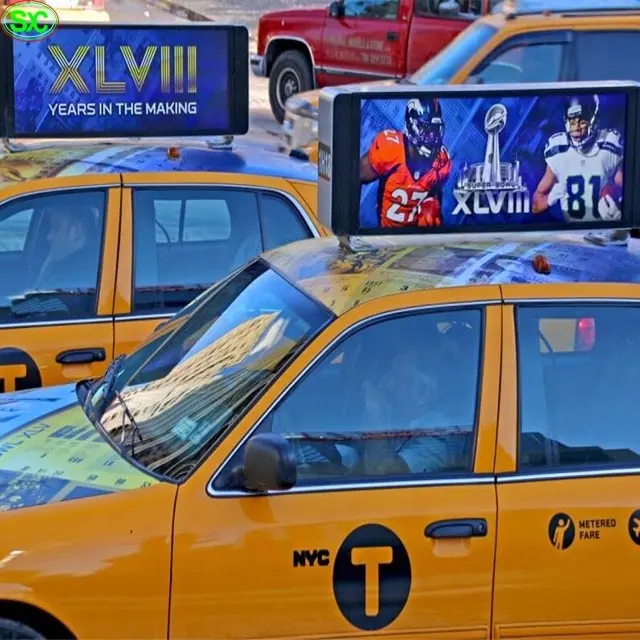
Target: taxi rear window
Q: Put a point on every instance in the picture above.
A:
(441, 68)
(577, 385)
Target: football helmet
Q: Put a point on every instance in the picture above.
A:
(581, 121)
(424, 126)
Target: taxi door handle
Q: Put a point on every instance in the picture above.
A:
(81, 356)
(392, 35)
(457, 528)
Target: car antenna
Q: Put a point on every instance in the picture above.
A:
(10, 146)
(345, 243)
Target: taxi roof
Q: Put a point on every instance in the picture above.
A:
(342, 277)
(532, 13)
(19, 163)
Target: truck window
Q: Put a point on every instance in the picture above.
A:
(377, 9)
(578, 386)
(522, 63)
(592, 65)
(431, 8)
(442, 67)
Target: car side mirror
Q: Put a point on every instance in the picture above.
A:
(269, 463)
(336, 10)
(448, 8)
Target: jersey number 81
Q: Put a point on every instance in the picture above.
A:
(576, 201)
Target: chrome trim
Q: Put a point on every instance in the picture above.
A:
(215, 185)
(564, 475)
(356, 72)
(387, 314)
(258, 65)
(53, 323)
(145, 316)
(330, 488)
(294, 39)
(573, 299)
(92, 187)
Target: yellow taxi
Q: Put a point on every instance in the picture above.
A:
(101, 239)
(523, 41)
(425, 430)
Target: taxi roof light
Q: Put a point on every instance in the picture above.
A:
(470, 160)
(177, 98)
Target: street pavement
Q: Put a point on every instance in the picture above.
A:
(263, 126)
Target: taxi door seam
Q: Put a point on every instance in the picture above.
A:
(113, 308)
(171, 560)
(492, 633)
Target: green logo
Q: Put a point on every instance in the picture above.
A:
(29, 20)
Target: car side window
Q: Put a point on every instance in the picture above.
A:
(14, 230)
(441, 8)
(281, 224)
(378, 9)
(187, 239)
(522, 63)
(593, 65)
(51, 245)
(578, 386)
(397, 397)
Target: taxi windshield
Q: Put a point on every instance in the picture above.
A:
(198, 374)
(442, 67)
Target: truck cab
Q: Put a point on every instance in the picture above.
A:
(354, 41)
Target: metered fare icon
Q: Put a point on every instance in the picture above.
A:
(562, 531)
(634, 526)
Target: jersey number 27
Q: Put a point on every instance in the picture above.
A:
(395, 213)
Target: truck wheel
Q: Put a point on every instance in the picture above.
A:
(290, 74)
(12, 630)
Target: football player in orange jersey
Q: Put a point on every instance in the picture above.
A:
(411, 167)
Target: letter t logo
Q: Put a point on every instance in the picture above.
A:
(372, 558)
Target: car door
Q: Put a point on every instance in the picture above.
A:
(539, 56)
(182, 239)
(391, 524)
(592, 66)
(366, 41)
(58, 253)
(569, 465)
(433, 29)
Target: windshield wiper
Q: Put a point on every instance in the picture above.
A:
(108, 382)
(135, 429)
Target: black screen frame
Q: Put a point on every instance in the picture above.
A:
(237, 74)
(345, 152)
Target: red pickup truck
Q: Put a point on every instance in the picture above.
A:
(354, 41)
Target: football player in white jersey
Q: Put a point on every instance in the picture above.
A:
(584, 166)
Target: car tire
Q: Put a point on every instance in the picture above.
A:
(13, 630)
(291, 73)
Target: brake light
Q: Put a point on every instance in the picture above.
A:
(585, 334)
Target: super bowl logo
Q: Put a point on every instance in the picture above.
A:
(492, 186)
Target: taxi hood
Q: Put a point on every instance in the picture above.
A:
(312, 98)
(50, 452)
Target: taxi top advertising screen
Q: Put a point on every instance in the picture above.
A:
(480, 159)
(123, 80)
